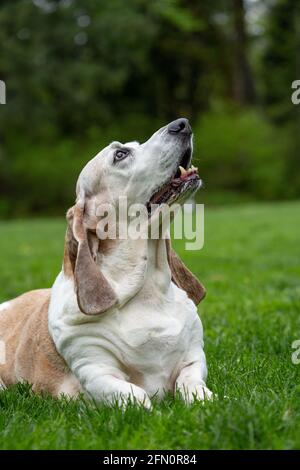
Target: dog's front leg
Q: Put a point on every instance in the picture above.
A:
(190, 382)
(111, 388)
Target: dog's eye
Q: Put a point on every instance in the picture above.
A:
(120, 154)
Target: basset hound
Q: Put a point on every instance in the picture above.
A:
(120, 323)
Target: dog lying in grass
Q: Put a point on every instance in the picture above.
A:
(120, 322)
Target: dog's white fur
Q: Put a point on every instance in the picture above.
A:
(158, 333)
(4, 306)
(150, 339)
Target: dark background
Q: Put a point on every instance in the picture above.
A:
(82, 73)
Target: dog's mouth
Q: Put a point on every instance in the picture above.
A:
(181, 185)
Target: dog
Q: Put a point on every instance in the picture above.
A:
(120, 323)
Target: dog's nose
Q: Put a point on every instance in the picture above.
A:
(180, 126)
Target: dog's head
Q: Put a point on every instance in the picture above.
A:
(155, 172)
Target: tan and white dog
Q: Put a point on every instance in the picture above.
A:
(120, 322)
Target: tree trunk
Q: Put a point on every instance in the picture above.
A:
(243, 84)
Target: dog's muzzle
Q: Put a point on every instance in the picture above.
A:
(180, 126)
(185, 181)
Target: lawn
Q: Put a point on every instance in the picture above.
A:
(250, 266)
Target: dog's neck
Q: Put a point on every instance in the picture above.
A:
(135, 267)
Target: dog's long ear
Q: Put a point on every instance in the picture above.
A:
(94, 294)
(183, 277)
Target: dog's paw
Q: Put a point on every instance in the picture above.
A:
(196, 393)
(203, 393)
(143, 401)
(137, 397)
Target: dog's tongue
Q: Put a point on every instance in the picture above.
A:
(191, 173)
(186, 173)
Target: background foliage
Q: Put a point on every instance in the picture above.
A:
(82, 73)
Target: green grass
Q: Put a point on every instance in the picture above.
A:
(250, 266)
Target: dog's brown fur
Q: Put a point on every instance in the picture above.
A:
(30, 352)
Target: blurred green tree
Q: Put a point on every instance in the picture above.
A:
(80, 73)
(280, 67)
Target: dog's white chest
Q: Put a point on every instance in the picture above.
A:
(145, 340)
(153, 341)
